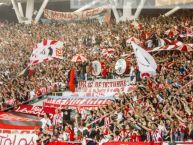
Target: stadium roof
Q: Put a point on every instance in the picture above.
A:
(8, 2)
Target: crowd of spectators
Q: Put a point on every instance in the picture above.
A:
(160, 109)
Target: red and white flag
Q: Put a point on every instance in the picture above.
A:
(172, 32)
(79, 58)
(108, 52)
(185, 47)
(45, 51)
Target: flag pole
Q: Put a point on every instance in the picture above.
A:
(22, 72)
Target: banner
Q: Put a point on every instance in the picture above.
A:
(18, 139)
(75, 102)
(16, 131)
(74, 16)
(91, 94)
(131, 143)
(18, 121)
(79, 95)
(109, 143)
(160, 3)
(122, 143)
(14, 117)
(45, 90)
(106, 88)
(63, 143)
(35, 110)
(145, 143)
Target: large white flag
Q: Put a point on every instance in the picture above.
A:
(46, 50)
(145, 61)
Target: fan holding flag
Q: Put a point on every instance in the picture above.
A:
(44, 51)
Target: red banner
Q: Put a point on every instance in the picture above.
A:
(36, 110)
(131, 143)
(110, 143)
(63, 143)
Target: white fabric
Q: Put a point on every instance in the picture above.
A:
(149, 43)
(145, 61)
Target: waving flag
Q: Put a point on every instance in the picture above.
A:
(108, 52)
(46, 50)
(145, 61)
(72, 78)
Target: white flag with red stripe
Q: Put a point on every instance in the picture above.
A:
(146, 63)
(46, 50)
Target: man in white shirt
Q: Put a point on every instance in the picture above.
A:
(45, 121)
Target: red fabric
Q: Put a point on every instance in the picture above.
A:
(105, 70)
(7, 126)
(72, 78)
(110, 143)
(71, 135)
(131, 143)
(61, 143)
(31, 72)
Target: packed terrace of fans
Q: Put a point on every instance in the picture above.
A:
(159, 109)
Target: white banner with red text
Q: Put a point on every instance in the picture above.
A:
(83, 15)
(18, 139)
(45, 90)
(105, 88)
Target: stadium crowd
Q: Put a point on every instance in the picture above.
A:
(160, 109)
